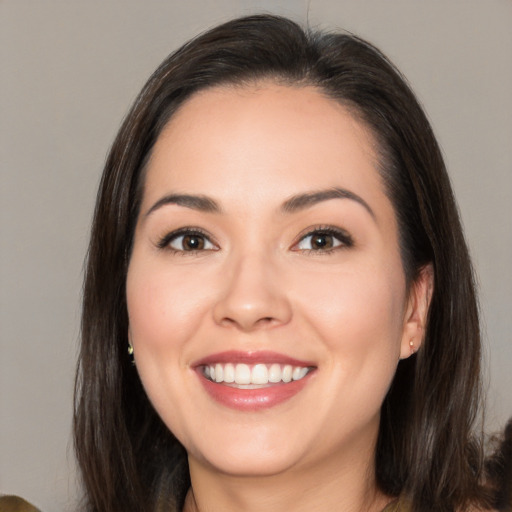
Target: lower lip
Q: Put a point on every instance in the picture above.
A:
(253, 399)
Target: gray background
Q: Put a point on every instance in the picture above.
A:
(70, 69)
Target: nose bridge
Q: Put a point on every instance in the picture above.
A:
(251, 296)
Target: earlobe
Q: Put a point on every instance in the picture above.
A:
(416, 315)
(130, 347)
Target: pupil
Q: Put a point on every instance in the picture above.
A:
(193, 242)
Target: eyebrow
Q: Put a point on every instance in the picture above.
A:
(292, 205)
(195, 202)
(303, 201)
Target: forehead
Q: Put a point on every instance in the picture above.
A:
(264, 139)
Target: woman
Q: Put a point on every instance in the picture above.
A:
(277, 246)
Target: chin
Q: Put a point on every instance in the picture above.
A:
(249, 463)
(246, 451)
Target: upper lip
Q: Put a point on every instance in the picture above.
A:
(250, 357)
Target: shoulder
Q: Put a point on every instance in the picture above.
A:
(396, 506)
(400, 506)
(477, 509)
(16, 504)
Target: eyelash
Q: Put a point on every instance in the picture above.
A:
(165, 242)
(341, 236)
(344, 239)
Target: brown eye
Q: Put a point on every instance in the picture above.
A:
(322, 241)
(188, 242)
(193, 243)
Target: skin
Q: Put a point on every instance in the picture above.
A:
(256, 286)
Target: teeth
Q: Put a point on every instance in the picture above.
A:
(259, 374)
(219, 373)
(242, 374)
(299, 373)
(275, 373)
(229, 373)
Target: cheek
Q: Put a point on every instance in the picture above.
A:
(358, 314)
(163, 306)
(164, 310)
(361, 324)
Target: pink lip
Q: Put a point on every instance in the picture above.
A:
(251, 399)
(263, 356)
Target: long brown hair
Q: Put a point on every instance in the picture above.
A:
(427, 451)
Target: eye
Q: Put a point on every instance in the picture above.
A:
(324, 240)
(187, 241)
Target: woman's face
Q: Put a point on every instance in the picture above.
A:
(266, 296)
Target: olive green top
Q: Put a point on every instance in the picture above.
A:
(396, 506)
(16, 504)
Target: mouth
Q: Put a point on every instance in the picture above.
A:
(245, 376)
(251, 381)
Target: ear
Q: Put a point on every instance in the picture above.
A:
(416, 313)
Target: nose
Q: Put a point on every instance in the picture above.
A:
(253, 296)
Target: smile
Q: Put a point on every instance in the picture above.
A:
(251, 381)
(247, 376)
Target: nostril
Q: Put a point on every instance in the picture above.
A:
(266, 320)
(248, 323)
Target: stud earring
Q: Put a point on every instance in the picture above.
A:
(412, 347)
(130, 353)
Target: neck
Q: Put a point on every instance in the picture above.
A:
(347, 483)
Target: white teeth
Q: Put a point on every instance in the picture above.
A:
(299, 373)
(242, 374)
(287, 373)
(259, 374)
(274, 374)
(219, 373)
(229, 373)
